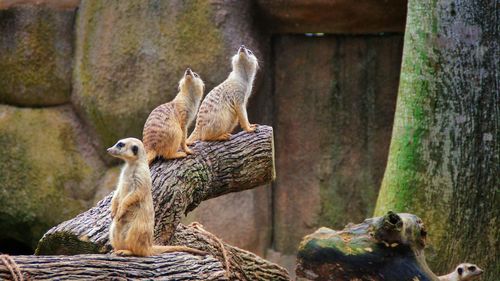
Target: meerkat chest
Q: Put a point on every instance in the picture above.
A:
(234, 91)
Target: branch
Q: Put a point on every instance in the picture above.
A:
(243, 265)
(387, 248)
(171, 266)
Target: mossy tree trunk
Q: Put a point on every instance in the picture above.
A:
(444, 158)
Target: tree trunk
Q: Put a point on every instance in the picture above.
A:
(389, 248)
(216, 168)
(172, 266)
(444, 158)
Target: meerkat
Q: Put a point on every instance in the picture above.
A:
(463, 272)
(132, 212)
(165, 130)
(225, 105)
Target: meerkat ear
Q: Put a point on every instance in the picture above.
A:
(135, 149)
(460, 271)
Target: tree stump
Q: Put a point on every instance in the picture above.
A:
(179, 186)
(388, 248)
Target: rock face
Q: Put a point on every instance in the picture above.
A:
(130, 56)
(340, 16)
(35, 55)
(335, 99)
(48, 170)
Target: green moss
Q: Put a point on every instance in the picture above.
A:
(44, 178)
(33, 69)
(68, 244)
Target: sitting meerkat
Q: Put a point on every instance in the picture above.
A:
(463, 272)
(226, 104)
(131, 231)
(165, 130)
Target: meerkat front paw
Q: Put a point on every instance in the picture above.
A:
(224, 137)
(251, 128)
(123, 253)
(188, 151)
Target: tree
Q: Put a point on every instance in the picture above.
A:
(443, 162)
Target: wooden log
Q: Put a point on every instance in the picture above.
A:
(171, 266)
(216, 168)
(389, 248)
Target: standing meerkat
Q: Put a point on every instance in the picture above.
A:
(131, 231)
(226, 104)
(463, 272)
(165, 130)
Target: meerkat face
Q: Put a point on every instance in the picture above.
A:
(246, 59)
(467, 271)
(192, 83)
(129, 149)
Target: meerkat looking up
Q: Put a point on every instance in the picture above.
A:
(226, 104)
(463, 272)
(165, 130)
(132, 212)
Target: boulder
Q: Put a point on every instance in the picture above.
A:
(130, 56)
(48, 170)
(35, 54)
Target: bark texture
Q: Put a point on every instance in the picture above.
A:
(388, 248)
(444, 157)
(172, 267)
(216, 168)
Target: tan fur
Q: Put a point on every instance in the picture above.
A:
(463, 272)
(131, 231)
(165, 130)
(226, 104)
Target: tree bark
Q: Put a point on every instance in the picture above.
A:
(388, 248)
(171, 266)
(444, 158)
(216, 168)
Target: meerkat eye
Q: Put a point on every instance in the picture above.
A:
(120, 145)
(472, 268)
(460, 271)
(196, 75)
(135, 149)
(250, 52)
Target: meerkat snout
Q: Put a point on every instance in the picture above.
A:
(188, 72)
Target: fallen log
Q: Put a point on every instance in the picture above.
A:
(389, 248)
(171, 266)
(179, 186)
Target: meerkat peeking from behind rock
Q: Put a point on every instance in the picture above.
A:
(226, 104)
(463, 272)
(165, 130)
(132, 212)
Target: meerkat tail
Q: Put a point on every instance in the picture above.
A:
(169, 249)
(151, 155)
